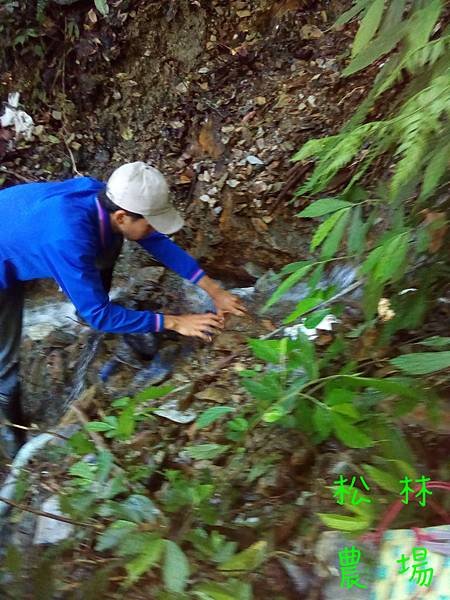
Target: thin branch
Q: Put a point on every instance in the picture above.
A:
(42, 513)
(337, 296)
(72, 158)
(36, 429)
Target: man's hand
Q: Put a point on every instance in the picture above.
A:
(228, 303)
(225, 301)
(202, 326)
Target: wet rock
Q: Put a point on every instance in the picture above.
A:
(300, 578)
(102, 156)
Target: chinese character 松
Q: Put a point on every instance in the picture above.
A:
(342, 490)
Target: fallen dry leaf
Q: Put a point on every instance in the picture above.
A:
(213, 394)
(209, 140)
(437, 227)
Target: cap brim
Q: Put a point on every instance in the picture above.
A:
(168, 222)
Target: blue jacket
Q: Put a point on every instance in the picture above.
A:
(57, 230)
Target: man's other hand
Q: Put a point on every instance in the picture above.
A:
(225, 301)
(202, 326)
(228, 303)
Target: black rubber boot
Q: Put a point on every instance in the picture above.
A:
(11, 438)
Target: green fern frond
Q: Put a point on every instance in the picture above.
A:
(343, 150)
(436, 168)
(316, 147)
(426, 55)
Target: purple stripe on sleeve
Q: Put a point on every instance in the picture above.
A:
(197, 276)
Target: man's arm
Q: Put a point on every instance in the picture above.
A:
(172, 256)
(73, 267)
(177, 259)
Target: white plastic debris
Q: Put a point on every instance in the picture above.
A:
(22, 122)
(170, 411)
(253, 160)
(326, 324)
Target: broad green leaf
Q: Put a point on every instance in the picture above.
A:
(145, 561)
(422, 363)
(346, 409)
(274, 414)
(436, 342)
(267, 389)
(176, 569)
(322, 421)
(405, 468)
(316, 276)
(211, 415)
(267, 350)
(371, 296)
(102, 7)
(286, 285)
(126, 423)
(385, 480)
(114, 534)
(381, 45)
(333, 240)
(324, 229)
(104, 465)
(404, 387)
(138, 508)
(357, 232)
(154, 392)
(80, 443)
(121, 402)
(316, 317)
(324, 206)
(348, 15)
(82, 469)
(350, 434)
(421, 24)
(292, 267)
(206, 451)
(393, 257)
(368, 27)
(99, 426)
(338, 395)
(344, 523)
(232, 590)
(372, 260)
(247, 560)
(394, 13)
(302, 307)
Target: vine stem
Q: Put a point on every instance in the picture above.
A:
(42, 513)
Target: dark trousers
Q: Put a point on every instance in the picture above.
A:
(11, 312)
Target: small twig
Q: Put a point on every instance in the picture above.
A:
(24, 428)
(72, 158)
(42, 513)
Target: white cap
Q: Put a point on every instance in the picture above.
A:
(142, 189)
